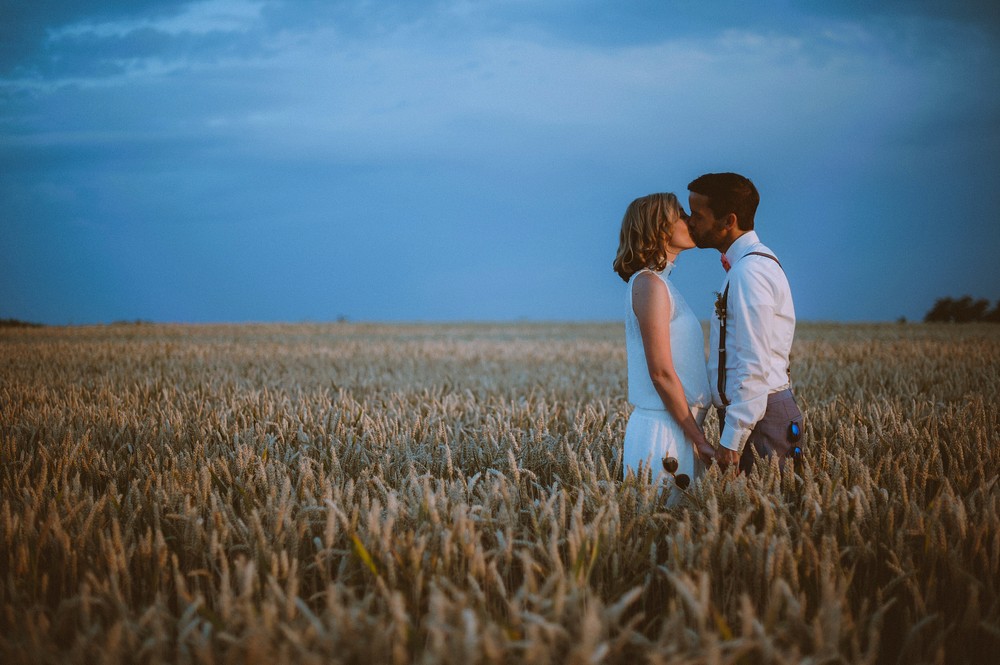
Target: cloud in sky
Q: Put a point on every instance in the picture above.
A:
(238, 160)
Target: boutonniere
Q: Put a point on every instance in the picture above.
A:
(720, 308)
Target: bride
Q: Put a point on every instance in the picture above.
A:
(665, 345)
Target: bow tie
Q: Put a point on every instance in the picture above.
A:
(725, 262)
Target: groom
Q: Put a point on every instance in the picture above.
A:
(752, 330)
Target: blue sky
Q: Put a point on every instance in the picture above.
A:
(267, 160)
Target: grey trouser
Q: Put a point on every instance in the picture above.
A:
(771, 434)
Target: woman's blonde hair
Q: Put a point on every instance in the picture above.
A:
(646, 228)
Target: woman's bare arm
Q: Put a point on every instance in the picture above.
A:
(651, 304)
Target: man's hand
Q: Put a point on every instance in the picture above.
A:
(726, 457)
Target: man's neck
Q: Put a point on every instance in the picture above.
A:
(729, 242)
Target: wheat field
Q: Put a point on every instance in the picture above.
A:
(352, 493)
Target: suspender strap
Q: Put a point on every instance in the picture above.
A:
(722, 347)
(722, 333)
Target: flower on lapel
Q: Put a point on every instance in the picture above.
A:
(720, 308)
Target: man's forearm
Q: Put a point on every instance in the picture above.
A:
(741, 416)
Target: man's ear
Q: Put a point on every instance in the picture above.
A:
(730, 221)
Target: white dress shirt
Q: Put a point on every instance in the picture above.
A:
(760, 325)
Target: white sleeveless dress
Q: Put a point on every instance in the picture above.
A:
(652, 433)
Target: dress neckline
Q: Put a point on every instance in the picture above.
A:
(662, 273)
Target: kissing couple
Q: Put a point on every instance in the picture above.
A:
(747, 375)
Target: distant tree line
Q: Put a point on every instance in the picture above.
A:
(16, 323)
(963, 310)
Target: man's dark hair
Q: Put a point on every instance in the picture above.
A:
(729, 192)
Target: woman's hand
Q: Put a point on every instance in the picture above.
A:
(703, 450)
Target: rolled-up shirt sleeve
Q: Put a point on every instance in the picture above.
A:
(750, 310)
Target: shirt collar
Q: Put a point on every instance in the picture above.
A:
(742, 246)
